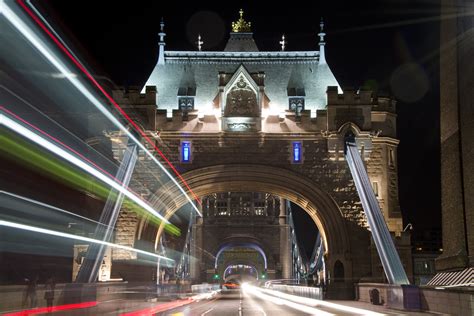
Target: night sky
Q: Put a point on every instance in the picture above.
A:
(388, 45)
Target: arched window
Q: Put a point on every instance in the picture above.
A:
(348, 138)
(338, 271)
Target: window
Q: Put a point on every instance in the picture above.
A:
(185, 151)
(338, 271)
(391, 157)
(186, 104)
(222, 208)
(296, 105)
(297, 152)
(375, 187)
(186, 100)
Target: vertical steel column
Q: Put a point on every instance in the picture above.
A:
(104, 231)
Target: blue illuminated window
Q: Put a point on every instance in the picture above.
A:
(185, 151)
(297, 152)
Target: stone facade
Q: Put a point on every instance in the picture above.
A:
(457, 132)
(323, 164)
(273, 122)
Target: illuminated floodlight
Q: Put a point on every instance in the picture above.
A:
(185, 151)
(17, 128)
(75, 237)
(296, 152)
(63, 69)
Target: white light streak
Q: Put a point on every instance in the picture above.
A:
(50, 207)
(75, 237)
(17, 128)
(303, 308)
(54, 60)
(315, 302)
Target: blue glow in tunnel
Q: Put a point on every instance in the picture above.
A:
(242, 245)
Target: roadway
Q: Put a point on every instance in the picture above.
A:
(248, 301)
(254, 301)
(232, 302)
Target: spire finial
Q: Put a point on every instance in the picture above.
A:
(162, 34)
(199, 42)
(241, 26)
(321, 34)
(283, 42)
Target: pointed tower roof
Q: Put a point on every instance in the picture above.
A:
(241, 37)
(287, 73)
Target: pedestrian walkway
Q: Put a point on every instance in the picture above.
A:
(380, 308)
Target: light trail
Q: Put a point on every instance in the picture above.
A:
(68, 174)
(75, 237)
(19, 129)
(170, 228)
(314, 302)
(62, 129)
(434, 18)
(59, 142)
(57, 308)
(19, 197)
(159, 308)
(249, 289)
(65, 71)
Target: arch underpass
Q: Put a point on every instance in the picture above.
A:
(250, 245)
(278, 181)
(240, 273)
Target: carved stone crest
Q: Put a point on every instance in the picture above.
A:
(241, 101)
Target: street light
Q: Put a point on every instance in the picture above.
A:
(408, 225)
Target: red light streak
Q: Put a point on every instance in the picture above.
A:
(42, 310)
(2, 108)
(111, 100)
(58, 141)
(158, 309)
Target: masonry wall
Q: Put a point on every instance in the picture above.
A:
(323, 160)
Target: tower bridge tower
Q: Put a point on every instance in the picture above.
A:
(248, 128)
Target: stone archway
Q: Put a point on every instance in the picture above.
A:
(228, 274)
(278, 181)
(252, 245)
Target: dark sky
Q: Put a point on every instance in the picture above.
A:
(392, 44)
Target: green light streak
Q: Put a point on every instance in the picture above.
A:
(20, 150)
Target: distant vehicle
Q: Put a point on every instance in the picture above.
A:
(231, 285)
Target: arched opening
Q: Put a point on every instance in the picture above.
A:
(277, 181)
(338, 271)
(309, 240)
(253, 246)
(281, 182)
(239, 273)
(349, 137)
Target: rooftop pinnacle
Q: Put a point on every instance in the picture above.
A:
(241, 26)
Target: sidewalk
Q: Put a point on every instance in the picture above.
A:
(380, 308)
